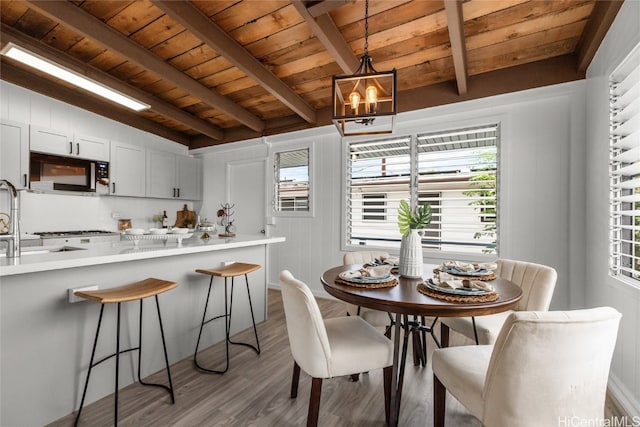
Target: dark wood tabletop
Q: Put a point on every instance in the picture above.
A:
(404, 298)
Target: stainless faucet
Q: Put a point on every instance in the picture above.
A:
(13, 238)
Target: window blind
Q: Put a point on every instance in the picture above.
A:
(377, 170)
(461, 166)
(624, 156)
(454, 171)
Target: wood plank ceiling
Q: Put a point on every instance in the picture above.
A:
(216, 71)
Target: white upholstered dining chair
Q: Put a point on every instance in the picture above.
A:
(537, 282)
(332, 347)
(545, 367)
(375, 317)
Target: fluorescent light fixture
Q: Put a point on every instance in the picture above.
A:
(20, 54)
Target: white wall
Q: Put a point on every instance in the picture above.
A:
(47, 212)
(541, 217)
(600, 289)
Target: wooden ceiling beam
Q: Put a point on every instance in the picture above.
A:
(197, 23)
(13, 74)
(71, 16)
(604, 12)
(455, 23)
(326, 6)
(327, 32)
(8, 34)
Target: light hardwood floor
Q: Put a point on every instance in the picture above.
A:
(255, 390)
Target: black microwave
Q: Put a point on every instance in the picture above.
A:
(49, 172)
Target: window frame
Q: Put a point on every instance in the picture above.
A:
(276, 148)
(413, 132)
(616, 238)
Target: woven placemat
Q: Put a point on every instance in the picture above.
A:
(389, 284)
(484, 278)
(423, 289)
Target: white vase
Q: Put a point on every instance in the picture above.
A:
(410, 263)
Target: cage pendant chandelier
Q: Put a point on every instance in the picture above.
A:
(364, 103)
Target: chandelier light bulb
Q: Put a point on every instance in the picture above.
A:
(354, 99)
(372, 98)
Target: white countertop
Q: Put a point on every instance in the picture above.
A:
(37, 259)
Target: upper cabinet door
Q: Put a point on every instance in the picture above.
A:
(127, 170)
(61, 143)
(90, 147)
(14, 153)
(161, 174)
(189, 178)
(51, 141)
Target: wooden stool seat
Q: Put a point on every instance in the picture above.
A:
(231, 270)
(135, 291)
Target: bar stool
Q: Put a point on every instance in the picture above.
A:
(232, 270)
(135, 291)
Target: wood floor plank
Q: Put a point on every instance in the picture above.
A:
(255, 390)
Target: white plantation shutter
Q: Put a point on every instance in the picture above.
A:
(461, 166)
(624, 150)
(377, 170)
(454, 171)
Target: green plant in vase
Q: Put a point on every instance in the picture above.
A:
(416, 220)
(409, 223)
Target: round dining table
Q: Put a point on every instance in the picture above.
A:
(404, 300)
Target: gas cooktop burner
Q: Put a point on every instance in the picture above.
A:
(81, 233)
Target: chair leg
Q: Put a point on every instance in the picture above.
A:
(295, 379)
(439, 401)
(387, 373)
(93, 353)
(314, 402)
(256, 347)
(444, 335)
(204, 322)
(115, 410)
(475, 331)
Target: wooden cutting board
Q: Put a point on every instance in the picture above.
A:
(185, 218)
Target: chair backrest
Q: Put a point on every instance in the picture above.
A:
(550, 366)
(537, 282)
(360, 257)
(307, 333)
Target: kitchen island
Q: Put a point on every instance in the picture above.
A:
(45, 341)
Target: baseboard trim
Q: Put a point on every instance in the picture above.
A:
(622, 397)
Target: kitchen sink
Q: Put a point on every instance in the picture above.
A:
(39, 251)
(67, 249)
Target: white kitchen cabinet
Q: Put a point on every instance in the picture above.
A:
(172, 176)
(189, 177)
(61, 143)
(127, 170)
(14, 153)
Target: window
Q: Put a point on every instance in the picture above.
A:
(624, 169)
(456, 172)
(291, 169)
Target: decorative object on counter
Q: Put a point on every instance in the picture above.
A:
(134, 231)
(185, 218)
(226, 221)
(158, 231)
(165, 220)
(166, 237)
(137, 291)
(124, 224)
(410, 224)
